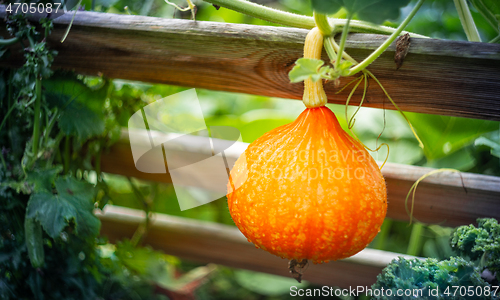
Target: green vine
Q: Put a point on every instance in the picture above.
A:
(467, 21)
(298, 21)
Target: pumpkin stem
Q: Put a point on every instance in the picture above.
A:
(314, 94)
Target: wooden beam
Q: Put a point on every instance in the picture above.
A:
(440, 199)
(208, 242)
(438, 77)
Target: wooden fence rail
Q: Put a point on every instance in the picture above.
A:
(440, 199)
(207, 242)
(438, 76)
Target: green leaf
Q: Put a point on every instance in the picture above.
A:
(343, 69)
(42, 180)
(443, 135)
(34, 242)
(72, 206)
(462, 160)
(81, 106)
(375, 11)
(327, 6)
(495, 147)
(79, 120)
(490, 9)
(307, 68)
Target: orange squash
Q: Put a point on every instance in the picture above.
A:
(308, 190)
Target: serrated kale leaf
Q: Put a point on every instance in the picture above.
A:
(481, 243)
(428, 279)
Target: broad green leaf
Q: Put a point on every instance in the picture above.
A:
(327, 6)
(401, 151)
(72, 206)
(94, 98)
(306, 68)
(443, 135)
(495, 147)
(490, 9)
(375, 11)
(81, 107)
(462, 160)
(42, 180)
(77, 119)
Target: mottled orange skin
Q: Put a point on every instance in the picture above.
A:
(289, 202)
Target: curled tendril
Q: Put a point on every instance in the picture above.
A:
(351, 120)
(413, 189)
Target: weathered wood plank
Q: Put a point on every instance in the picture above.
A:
(216, 243)
(440, 199)
(438, 77)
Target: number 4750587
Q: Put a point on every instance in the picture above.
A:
(15, 8)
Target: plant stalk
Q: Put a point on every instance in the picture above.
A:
(415, 243)
(467, 21)
(143, 228)
(383, 234)
(332, 49)
(8, 42)
(36, 125)
(375, 54)
(487, 14)
(495, 40)
(298, 21)
(49, 127)
(6, 116)
(98, 164)
(343, 39)
(66, 155)
(322, 23)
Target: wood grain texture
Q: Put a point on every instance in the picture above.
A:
(207, 242)
(440, 199)
(438, 76)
